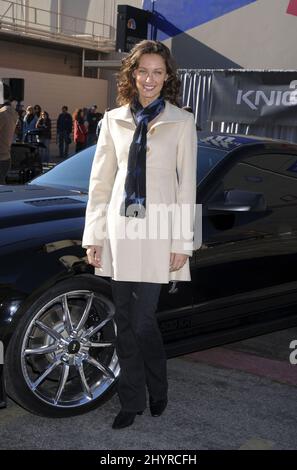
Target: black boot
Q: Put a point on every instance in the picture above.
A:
(157, 406)
(124, 419)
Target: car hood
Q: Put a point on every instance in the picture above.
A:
(27, 204)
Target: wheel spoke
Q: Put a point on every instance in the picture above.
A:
(45, 374)
(53, 333)
(85, 315)
(84, 382)
(63, 380)
(102, 344)
(106, 370)
(42, 350)
(91, 331)
(66, 315)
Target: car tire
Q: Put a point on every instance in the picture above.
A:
(61, 360)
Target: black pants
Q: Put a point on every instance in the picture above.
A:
(4, 167)
(139, 344)
(64, 144)
(80, 146)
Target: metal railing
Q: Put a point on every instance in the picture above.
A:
(53, 26)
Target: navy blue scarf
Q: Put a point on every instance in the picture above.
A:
(134, 202)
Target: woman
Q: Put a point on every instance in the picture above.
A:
(145, 159)
(37, 110)
(80, 131)
(29, 123)
(44, 125)
(18, 135)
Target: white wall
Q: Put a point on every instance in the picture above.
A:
(53, 91)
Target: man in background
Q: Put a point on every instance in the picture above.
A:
(64, 129)
(8, 120)
(100, 124)
(93, 118)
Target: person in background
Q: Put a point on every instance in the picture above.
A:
(29, 123)
(44, 125)
(93, 119)
(85, 112)
(80, 131)
(64, 129)
(37, 113)
(100, 123)
(8, 120)
(18, 135)
(37, 110)
(98, 114)
(190, 110)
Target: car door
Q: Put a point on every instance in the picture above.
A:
(175, 309)
(247, 261)
(179, 295)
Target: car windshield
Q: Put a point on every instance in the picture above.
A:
(73, 173)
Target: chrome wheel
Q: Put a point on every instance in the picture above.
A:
(68, 356)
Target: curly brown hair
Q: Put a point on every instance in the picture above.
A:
(126, 83)
(77, 113)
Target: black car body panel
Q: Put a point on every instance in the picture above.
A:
(244, 280)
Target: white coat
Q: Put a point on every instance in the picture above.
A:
(170, 179)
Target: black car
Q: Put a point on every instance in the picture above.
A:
(56, 317)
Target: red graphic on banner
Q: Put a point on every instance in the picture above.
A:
(292, 8)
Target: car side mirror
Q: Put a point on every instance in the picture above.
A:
(236, 200)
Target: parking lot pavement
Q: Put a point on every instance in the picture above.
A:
(241, 396)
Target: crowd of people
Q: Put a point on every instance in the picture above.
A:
(35, 124)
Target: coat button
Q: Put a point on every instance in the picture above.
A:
(148, 149)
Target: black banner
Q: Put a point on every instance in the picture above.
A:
(254, 97)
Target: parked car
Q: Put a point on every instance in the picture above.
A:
(56, 317)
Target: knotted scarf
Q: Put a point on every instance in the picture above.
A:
(134, 200)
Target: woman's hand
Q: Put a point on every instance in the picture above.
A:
(94, 255)
(177, 260)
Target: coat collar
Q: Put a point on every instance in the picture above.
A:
(171, 113)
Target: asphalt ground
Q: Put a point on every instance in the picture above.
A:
(240, 396)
